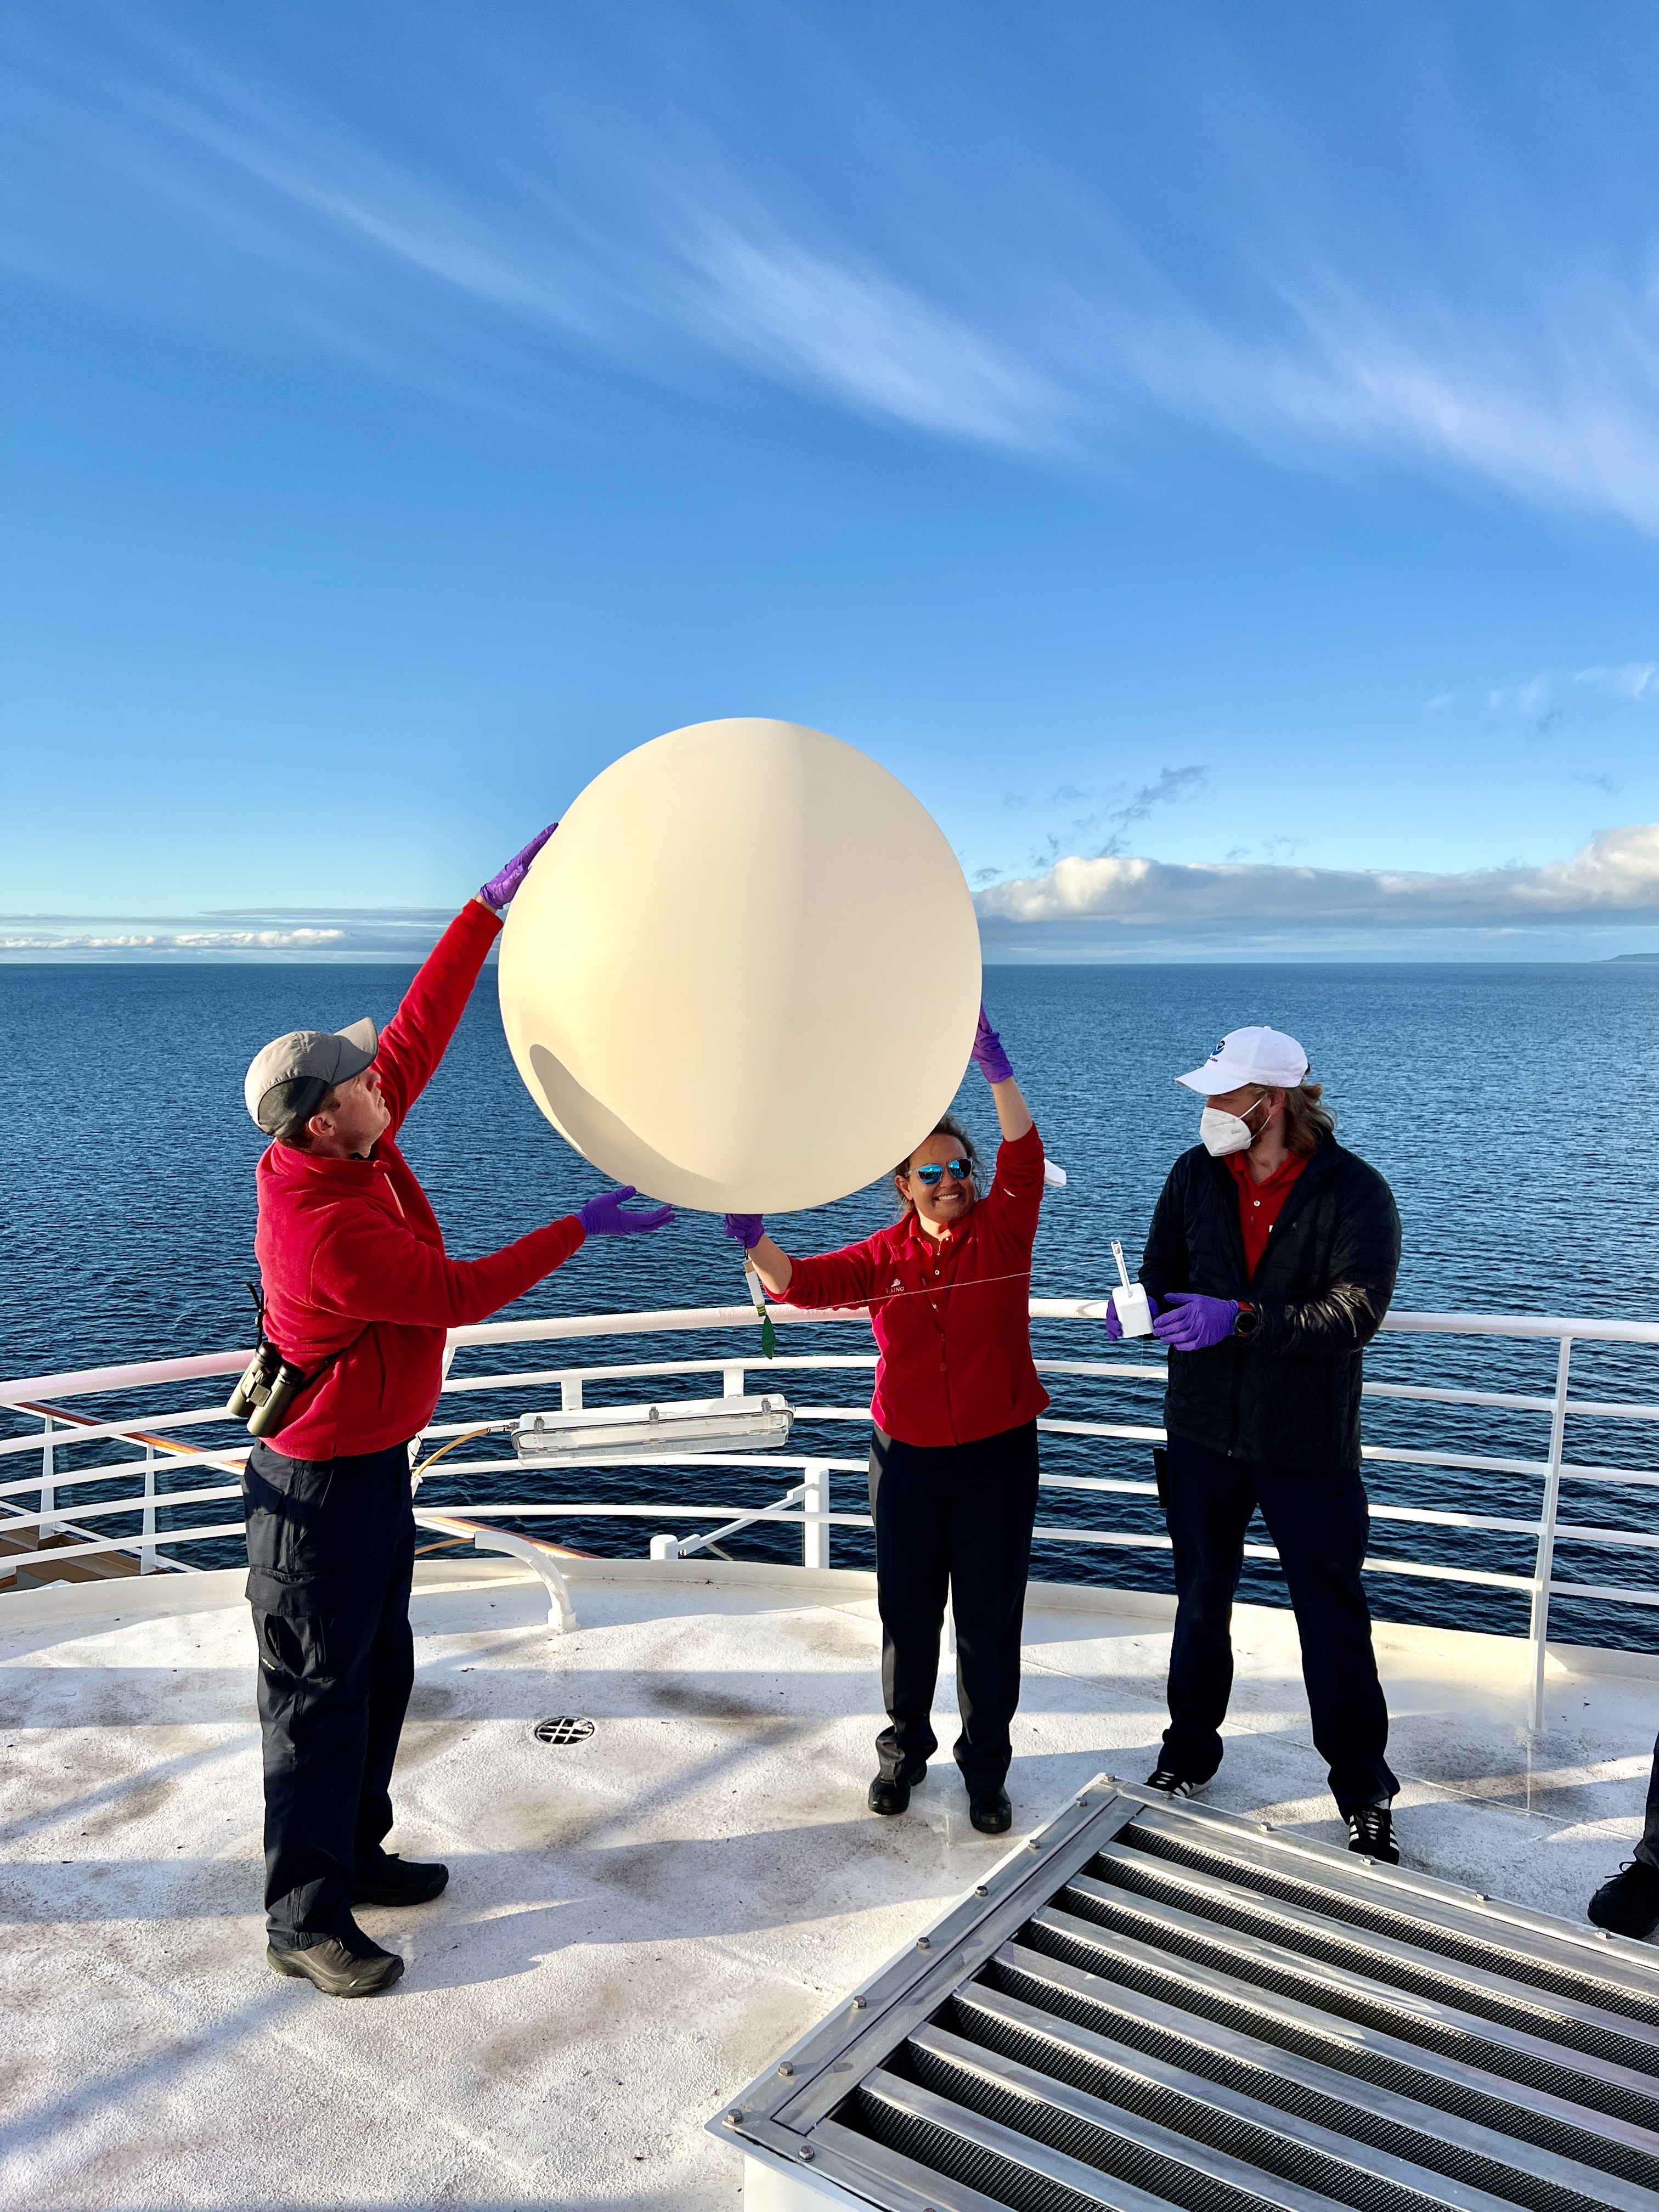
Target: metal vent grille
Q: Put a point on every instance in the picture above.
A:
(1155, 2005)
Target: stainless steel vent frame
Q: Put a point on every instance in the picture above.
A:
(779, 2111)
(785, 2115)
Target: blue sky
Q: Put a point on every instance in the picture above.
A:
(1212, 456)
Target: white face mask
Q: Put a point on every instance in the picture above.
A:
(1220, 1133)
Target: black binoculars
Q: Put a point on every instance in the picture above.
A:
(266, 1391)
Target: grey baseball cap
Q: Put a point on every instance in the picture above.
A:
(291, 1078)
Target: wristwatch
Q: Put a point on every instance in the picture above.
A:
(1245, 1320)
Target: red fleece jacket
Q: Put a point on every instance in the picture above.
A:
(352, 1255)
(952, 1316)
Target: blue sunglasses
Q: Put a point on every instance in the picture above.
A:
(958, 1170)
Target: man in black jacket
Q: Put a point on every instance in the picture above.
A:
(1270, 1264)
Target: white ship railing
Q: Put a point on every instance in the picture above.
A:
(165, 1440)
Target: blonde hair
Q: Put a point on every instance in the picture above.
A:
(1307, 1118)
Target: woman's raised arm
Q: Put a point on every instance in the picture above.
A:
(1013, 1114)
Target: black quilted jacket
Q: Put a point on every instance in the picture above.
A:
(1290, 1393)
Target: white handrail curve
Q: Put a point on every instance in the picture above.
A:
(571, 1327)
(36, 1397)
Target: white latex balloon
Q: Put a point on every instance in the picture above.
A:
(744, 974)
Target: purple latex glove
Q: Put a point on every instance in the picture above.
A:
(1192, 1322)
(605, 1216)
(746, 1229)
(989, 1056)
(498, 891)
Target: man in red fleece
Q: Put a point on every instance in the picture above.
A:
(359, 1296)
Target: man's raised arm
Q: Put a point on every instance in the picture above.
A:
(417, 1037)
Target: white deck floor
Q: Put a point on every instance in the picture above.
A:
(633, 1926)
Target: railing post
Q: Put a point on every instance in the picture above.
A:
(1538, 1633)
(48, 1485)
(147, 1551)
(571, 1394)
(814, 1498)
(732, 1381)
(665, 1547)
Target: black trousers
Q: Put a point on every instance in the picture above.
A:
(331, 1548)
(1319, 1521)
(955, 1517)
(1647, 1849)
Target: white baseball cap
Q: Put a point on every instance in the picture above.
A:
(1265, 1057)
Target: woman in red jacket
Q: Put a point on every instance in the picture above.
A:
(953, 1465)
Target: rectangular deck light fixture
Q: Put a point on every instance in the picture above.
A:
(688, 1426)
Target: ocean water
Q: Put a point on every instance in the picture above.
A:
(1510, 1107)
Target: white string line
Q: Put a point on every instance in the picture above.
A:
(891, 1298)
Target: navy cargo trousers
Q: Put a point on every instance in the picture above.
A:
(1319, 1522)
(1647, 1849)
(331, 1550)
(956, 1518)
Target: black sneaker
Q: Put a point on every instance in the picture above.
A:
(1629, 1903)
(992, 1814)
(1169, 1783)
(1371, 1832)
(399, 1881)
(890, 1793)
(356, 1967)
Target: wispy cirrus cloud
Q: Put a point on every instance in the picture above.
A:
(529, 216)
(1552, 423)
(1550, 701)
(1168, 785)
(1102, 823)
(1633, 679)
(1527, 698)
(949, 252)
(871, 343)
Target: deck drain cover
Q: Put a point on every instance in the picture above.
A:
(563, 1728)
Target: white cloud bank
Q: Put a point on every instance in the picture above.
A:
(1603, 901)
(398, 934)
(1615, 878)
(182, 940)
